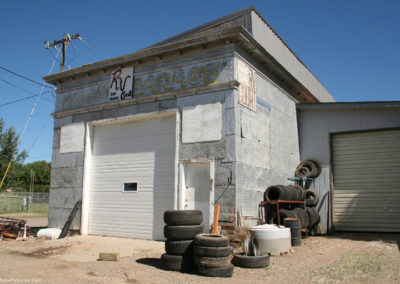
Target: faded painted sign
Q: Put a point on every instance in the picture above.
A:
(247, 87)
(121, 84)
(178, 79)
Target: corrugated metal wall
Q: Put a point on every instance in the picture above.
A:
(366, 169)
(317, 125)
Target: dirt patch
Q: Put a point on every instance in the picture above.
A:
(344, 258)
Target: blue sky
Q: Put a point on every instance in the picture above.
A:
(351, 46)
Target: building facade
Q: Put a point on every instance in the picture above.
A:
(205, 117)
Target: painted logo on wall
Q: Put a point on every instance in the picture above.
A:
(121, 86)
(247, 87)
(125, 85)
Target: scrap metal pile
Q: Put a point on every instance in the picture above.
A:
(11, 229)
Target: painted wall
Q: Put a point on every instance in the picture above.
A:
(68, 167)
(318, 122)
(266, 143)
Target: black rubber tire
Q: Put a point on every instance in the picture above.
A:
(183, 217)
(177, 262)
(281, 192)
(211, 251)
(312, 198)
(283, 213)
(208, 261)
(317, 164)
(313, 216)
(211, 240)
(302, 215)
(226, 271)
(246, 261)
(309, 168)
(180, 233)
(179, 247)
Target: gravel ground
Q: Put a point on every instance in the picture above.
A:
(343, 258)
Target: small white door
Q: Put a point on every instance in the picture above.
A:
(198, 189)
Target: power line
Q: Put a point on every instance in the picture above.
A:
(26, 78)
(22, 89)
(38, 135)
(23, 99)
(37, 100)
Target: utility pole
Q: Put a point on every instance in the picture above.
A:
(31, 188)
(63, 42)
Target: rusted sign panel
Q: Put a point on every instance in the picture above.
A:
(247, 87)
(121, 84)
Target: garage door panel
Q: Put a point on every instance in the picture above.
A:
(140, 151)
(366, 168)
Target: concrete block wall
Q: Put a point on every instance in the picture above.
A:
(267, 144)
(67, 168)
(222, 151)
(66, 181)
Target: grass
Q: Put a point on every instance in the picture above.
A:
(352, 266)
(10, 204)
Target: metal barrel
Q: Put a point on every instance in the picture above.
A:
(295, 230)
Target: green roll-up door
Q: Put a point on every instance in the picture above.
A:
(366, 171)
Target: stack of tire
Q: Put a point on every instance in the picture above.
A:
(309, 168)
(180, 230)
(308, 216)
(212, 255)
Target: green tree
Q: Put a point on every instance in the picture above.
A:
(22, 176)
(9, 151)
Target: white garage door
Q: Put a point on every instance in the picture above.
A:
(366, 169)
(132, 178)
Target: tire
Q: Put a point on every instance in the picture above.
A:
(211, 251)
(245, 261)
(313, 216)
(303, 216)
(226, 271)
(179, 233)
(177, 262)
(208, 261)
(211, 240)
(179, 247)
(283, 213)
(281, 192)
(309, 168)
(317, 164)
(183, 217)
(312, 198)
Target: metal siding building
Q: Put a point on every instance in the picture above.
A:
(358, 146)
(133, 134)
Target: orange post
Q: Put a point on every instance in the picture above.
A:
(215, 221)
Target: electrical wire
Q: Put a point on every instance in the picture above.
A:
(37, 101)
(22, 89)
(88, 54)
(38, 135)
(24, 99)
(90, 44)
(26, 78)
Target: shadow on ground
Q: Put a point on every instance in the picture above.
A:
(151, 261)
(369, 237)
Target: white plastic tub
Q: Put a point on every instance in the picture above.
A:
(270, 239)
(49, 233)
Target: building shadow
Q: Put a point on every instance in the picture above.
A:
(389, 238)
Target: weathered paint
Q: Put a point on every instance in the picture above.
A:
(247, 88)
(202, 123)
(72, 138)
